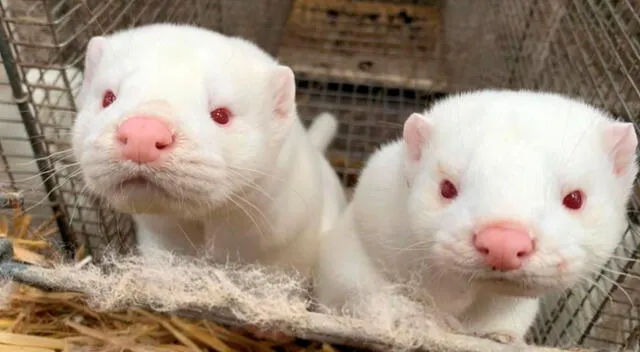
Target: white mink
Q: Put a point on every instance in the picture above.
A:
(197, 135)
(485, 180)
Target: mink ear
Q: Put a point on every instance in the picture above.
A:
(282, 83)
(93, 55)
(415, 133)
(621, 141)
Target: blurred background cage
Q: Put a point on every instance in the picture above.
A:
(371, 63)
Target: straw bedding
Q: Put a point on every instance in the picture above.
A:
(165, 303)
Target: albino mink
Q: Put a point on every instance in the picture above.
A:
(197, 135)
(490, 200)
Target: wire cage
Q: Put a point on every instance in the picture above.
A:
(369, 62)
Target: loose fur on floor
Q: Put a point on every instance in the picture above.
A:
(258, 295)
(251, 295)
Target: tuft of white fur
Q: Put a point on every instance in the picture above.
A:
(322, 130)
(256, 190)
(260, 296)
(512, 155)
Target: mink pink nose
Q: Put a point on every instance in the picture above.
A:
(504, 247)
(144, 139)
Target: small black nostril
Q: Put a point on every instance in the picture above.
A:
(521, 254)
(484, 251)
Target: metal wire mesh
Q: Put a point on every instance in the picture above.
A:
(372, 63)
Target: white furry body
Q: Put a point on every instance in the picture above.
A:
(256, 189)
(511, 155)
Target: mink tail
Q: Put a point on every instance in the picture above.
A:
(322, 130)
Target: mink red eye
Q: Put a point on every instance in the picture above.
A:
(448, 190)
(221, 116)
(108, 98)
(573, 200)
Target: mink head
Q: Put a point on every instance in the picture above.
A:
(174, 119)
(523, 191)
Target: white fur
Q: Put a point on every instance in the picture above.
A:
(322, 130)
(512, 155)
(256, 190)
